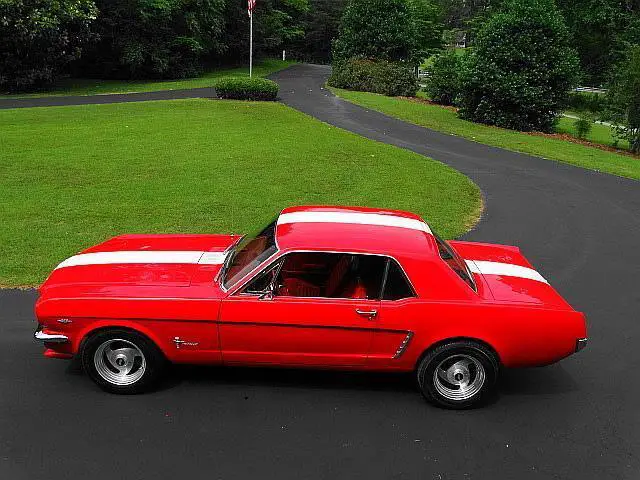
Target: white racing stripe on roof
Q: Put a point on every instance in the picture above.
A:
(144, 256)
(360, 218)
(505, 269)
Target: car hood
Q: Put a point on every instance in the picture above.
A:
(508, 275)
(143, 260)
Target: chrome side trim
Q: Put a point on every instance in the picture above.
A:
(403, 346)
(50, 337)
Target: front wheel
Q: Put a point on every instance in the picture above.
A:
(458, 374)
(122, 361)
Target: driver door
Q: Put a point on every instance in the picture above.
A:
(306, 309)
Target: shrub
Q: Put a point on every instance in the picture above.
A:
(624, 96)
(521, 68)
(443, 82)
(377, 76)
(38, 38)
(245, 88)
(583, 126)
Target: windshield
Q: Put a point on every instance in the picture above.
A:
(457, 264)
(248, 254)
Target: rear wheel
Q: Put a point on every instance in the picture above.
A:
(458, 374)
(122, 361)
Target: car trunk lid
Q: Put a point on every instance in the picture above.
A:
(509, 276)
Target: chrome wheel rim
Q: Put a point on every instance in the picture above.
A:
(459, 377)
(119, 362)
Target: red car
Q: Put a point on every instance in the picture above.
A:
(325, 287)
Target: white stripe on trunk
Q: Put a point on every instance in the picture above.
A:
(145, 256)
(359, 218)
(504, 269)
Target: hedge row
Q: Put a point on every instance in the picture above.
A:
(377, 76)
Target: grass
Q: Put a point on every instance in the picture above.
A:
(446, 120)
(74, 176)
(599, 133)
(89, 86)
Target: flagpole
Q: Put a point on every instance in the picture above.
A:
(250, 43)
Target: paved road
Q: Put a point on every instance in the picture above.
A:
(575, 420)
(63, 100)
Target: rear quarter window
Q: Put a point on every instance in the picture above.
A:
(396, 285)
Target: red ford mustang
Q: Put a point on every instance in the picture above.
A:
(327, 287)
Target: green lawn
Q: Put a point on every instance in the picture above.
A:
(445, 120)
(89, 86)
(74, 176)
(599, 133)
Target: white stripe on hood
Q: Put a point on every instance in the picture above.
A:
(145, 256)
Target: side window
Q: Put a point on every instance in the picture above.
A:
(396, 285)
(261, 283)
(331, 275)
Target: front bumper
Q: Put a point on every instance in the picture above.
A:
(41, 336)
(581, 343)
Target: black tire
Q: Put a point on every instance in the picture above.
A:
(465, 361)
(103, 350)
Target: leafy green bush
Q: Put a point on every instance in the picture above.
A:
(245, 88)
(443, 82)
(39, 37)
(624, 96)
(521, 68)
(583, 126)
(377, 76)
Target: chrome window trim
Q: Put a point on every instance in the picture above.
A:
(280, 254)
(226, 253)
(473, 288)
(414, 294)
(277, 265)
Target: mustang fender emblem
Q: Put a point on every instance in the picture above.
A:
(179, 342)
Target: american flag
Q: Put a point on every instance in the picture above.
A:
(251, 4)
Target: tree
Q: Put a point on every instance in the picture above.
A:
(521, 68)
(277, 24)
(466, 16)
(624, 96)
(600, 30)
(320, 25)
(377, 29)
(427, 17)
(155, 38)
(38, 38)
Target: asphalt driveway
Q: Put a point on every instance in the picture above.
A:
(578, 419)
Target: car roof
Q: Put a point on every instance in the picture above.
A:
(354, 229)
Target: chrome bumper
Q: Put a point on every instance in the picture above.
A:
(581, 343)
(50, 337)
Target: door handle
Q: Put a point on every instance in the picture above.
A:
(371, 314)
